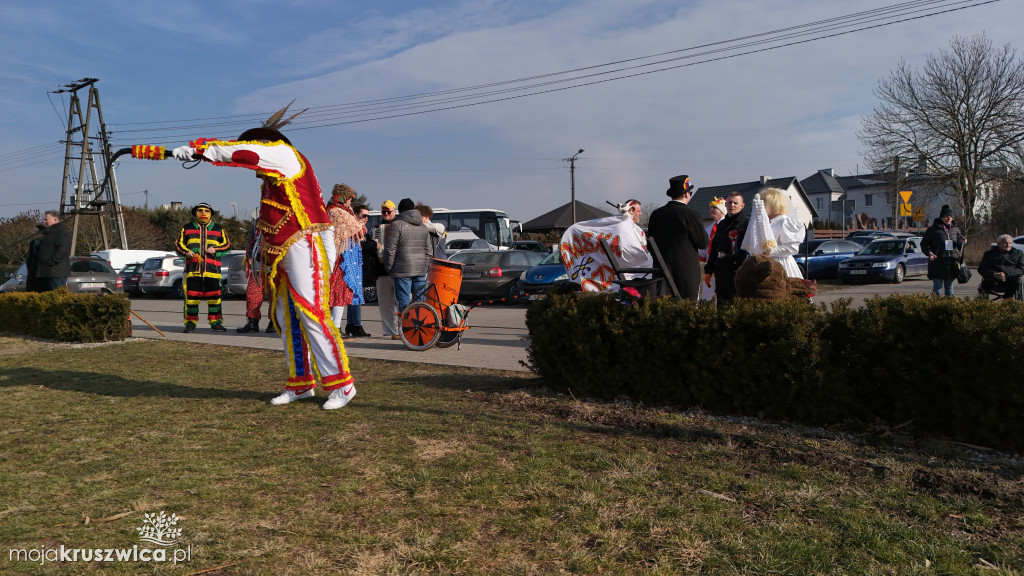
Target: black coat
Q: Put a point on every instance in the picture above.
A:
(53, 260)
(946, 265)
(679, 233)
(995, 260)
(725, 254)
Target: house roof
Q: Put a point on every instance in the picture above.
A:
(824, 181)
(561, 217)
(701, 200)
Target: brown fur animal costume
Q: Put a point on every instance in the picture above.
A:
(760, 276)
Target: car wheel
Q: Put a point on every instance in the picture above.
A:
(178, 290)
(803, 270)
(513, 289)
(899, 275)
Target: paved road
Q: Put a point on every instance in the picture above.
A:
(497, 338)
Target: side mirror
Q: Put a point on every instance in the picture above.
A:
(819, 252)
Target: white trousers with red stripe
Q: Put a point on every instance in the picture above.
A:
(312, 343)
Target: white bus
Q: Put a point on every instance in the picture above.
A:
(492, 225)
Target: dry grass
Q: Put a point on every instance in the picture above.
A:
(442, 470)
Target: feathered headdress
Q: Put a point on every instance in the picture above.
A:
(271, 128)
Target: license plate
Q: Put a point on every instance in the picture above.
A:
(91, 285)
(147, 275)
(858, 271)
(471, 275)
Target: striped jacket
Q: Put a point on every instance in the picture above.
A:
(195, 238)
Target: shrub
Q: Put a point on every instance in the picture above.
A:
(65, 316)
(947, 365)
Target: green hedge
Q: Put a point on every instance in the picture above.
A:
(64, 316)
(949, 365)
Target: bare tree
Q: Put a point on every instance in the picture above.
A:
(961, 116)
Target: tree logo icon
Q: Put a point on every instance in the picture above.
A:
(159, 529)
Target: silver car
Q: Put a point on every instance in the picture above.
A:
(163, 275)
(232, 274)
(88, 275)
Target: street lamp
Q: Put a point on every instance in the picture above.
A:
(572, 181)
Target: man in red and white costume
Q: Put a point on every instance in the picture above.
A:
(298, 244)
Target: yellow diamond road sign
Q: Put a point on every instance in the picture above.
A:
(906, 210)
(905, 194)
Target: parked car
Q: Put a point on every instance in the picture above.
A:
(88, 275)
(865, 239)
(548, 273)
(493, 273)
(162, 275)
(821, 258)
(130, 276)
(531, 245)
(232, 274)
(891, 259)
(453, 247)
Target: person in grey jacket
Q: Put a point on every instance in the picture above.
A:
(407, 252)
(53, 262)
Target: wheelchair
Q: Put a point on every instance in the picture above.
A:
(992, 290)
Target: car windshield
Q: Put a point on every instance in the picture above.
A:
(883, 247)
(476, 258)
(553, 258)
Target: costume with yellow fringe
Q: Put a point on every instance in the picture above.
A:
(298, 249)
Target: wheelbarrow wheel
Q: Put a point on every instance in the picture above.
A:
(448, 338)
(421, 326)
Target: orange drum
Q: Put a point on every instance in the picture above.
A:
(444, 279)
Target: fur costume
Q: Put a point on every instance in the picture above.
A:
(762, 277)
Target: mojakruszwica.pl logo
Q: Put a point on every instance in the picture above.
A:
(159, 530)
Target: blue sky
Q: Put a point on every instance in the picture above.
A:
(783, 112)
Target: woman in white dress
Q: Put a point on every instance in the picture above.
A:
(789, 232)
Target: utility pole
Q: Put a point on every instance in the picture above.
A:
(86, 191)
(572, 180)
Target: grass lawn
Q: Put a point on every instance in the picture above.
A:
(447, 470)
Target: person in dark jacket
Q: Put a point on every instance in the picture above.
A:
(679, 234)
(53, 263)
(32, 260)
(1002, 266)
(407, 252)
(725, 254)
(943, 244)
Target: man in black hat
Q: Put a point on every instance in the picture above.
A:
(679, 233)
(202, 242)
(725, 254)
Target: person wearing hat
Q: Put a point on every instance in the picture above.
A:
(679, 234)
(201, 243)
(386, 303)
(725, 252)
(407, 252)
(943, 244)
(716, 209)
(298, 248)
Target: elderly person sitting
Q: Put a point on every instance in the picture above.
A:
(1002, 267)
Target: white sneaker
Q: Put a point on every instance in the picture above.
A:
(340, 396)
(290, 396)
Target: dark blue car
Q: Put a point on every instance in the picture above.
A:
(821, 258)
(544, 275)
(886, 259)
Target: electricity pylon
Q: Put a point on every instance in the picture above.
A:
(87, 191)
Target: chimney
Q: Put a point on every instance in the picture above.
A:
(828, 172)
(765, 179)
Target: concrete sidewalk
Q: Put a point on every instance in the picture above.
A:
(497, 338)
